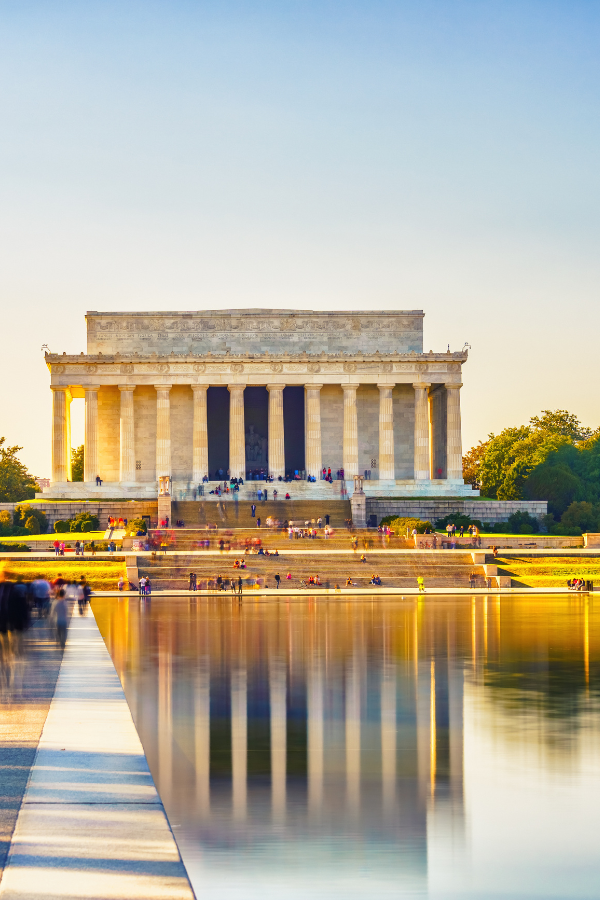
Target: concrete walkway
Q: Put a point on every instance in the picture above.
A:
(91, 824)
(373, 593)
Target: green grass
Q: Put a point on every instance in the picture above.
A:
(67, 537)
(548, 571)
(102, 574)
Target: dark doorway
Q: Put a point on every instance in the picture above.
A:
(256, 424)
(217, 415)
(293, 429)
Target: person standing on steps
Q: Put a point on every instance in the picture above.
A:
(277, 579)
(258, 522)
(253, 509)
(327, 519)
(421, 583)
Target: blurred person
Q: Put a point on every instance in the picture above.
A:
(40, 592)
(60, 616)
(421, 584)
(120, 583)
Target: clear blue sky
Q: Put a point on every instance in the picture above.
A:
(435, 155)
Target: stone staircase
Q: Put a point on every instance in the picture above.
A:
(439, 569)
(226, 513)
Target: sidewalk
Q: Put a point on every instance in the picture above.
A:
(91, 824)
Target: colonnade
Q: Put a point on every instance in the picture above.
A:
(423, 432)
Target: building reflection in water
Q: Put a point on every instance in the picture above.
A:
(335, 729)
(327, 748)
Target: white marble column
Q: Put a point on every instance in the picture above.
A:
(200, 434)
(353, 736)
(91, 461)
(350, 440)
(421, 451)
(163, 430)
(202, 733)
(239, 742)
(387, 465)
(277, 690)
(276, 443)
(127, 433)
(237, 431)
(61, 434)
(453, 432)
(312, 444)
(315, 738)
(388, 736)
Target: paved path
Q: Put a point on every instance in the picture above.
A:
(91, 824)
(27, 682)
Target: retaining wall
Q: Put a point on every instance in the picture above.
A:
(488, 511)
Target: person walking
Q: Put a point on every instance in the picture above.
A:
(277, 579)
(421, 584)
(60, 615)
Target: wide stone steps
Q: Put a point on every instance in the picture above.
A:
(226, 513)
(173, 572)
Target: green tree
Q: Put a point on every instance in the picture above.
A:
(16, 483)
(472, 463)
(562, 422)
(24, 512)
(77, 459)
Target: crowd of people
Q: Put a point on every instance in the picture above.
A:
(21, 601)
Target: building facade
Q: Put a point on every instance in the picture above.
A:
(249, 392)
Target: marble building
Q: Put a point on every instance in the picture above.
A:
(195, 394)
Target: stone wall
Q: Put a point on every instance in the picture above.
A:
(238, 330)
(488, 511)
(132, 509)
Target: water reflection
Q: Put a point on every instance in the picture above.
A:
(344, 748)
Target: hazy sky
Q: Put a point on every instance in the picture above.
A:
(331, 155)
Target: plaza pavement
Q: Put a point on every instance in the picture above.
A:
(91, 823)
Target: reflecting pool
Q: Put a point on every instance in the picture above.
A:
(417, 747)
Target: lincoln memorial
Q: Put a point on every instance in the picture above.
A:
(245, 393)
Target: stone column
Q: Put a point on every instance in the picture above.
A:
(315, 739)
(91, 462)
(350, 443)
(237, 431)
(277, 690)
(388, 735)
(387, 465)
(239, 742)
(163, 430)
(353, 736)
(312, 460)
(421, 451)
(276, 444)
(453, 433)
(61, 434)
(200, 434)
(127, 432)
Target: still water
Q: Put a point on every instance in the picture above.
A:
(396, 748)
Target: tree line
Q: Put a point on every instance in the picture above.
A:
(554, 458)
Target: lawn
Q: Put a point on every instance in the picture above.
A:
(550, 571)
(102, 574)
(68, 537)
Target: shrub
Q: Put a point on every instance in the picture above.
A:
(85, 521)
(137, 525)
(399, 525)
(61, 526)
(5, 518)
(582, 516)
(31, 525)
(457, 519)
(14, 548)
(24, 512)
(522, 523)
